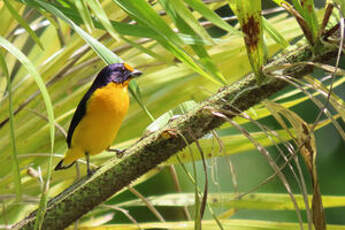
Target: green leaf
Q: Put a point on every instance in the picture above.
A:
(168, 42)
(310, 16)
(135, 91)
(234, 144)
(134, 29)
(164, 119)
(249, 16)
(23, 23)
(233, 224)
(103, 52)
(15, 169)
(101, 15)
(178, 8)
(85, 14)
(342, 5)
(148, 51)
(275, 34)
(306, 16)
(49, 107)
(211, 16)
(183, 23)
(253, 201)
(143, 13)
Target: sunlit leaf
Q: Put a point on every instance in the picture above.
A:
(23, 23)
(178, 9)
(306, 140)
(249, 16)
(49, 107)
(255, 201)
(275, 34)
(16, 169)
(85, 14)
(107, 55)
(101, 15)
(233, 224)
(199, 6)
(142, 12)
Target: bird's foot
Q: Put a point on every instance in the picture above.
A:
(119, 152)
(90, 172)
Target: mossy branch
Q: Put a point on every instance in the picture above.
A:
(151, 150)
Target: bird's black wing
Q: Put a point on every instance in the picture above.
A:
(81, 109)
(78, 115)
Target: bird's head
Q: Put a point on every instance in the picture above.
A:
(119, 73)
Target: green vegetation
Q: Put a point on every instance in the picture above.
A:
(264, 168)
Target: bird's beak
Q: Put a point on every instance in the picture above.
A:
(135, 73)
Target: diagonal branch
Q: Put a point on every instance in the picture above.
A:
(116, 174)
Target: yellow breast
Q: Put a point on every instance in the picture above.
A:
(105, 112)
(111, 100)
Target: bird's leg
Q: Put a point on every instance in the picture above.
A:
(89, 171)
(119, 152)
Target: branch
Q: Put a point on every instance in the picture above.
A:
(151, 150)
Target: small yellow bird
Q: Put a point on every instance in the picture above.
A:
(99, 114)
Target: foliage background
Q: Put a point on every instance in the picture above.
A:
(166, 84)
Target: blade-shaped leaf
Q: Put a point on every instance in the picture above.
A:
(182, 24)
(199, 6)
(180, 9)
(85, 14)
(101, 15)
(49, 107)
(143, 13)
(23, 23)
(15, 169)
(249, 16)
(275, 34)
(255, 201)
(233, 224)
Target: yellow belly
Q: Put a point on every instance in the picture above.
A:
(97, 130)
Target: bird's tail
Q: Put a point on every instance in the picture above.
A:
(62, 165)
(69, 159)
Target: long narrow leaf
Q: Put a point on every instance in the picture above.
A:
(107, 55)
(23, 23)
(199, 6)
(188, 18)
(85, 14)
(254, 201)
(143, 13)
(233, 224)
(307, 9)
(101, 15)
(184, 27)
(16, 169)
(249, 16)
(49, 107)
(275, 34)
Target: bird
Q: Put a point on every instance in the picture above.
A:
(99, 115)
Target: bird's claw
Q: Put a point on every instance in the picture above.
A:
(119, 152)
(90, 172)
